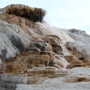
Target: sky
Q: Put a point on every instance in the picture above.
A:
(65, 14)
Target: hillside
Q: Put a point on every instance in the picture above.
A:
(37, 56)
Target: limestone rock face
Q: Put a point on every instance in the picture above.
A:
(37, 56)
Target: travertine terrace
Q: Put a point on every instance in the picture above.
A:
(37, 56)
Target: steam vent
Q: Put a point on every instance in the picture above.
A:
(37, 56)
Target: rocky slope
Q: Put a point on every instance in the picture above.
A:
(37, 56)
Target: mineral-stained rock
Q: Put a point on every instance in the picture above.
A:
(38, 59)
(33, 52)
(1, 64)
(78, 49)
(71, 58)
(22, 62)
(48, 47)
(57, 60)
(70, 66)
(38, 45)
(41, 71)
(16, 41)
(54, 41)
(34, 14)
(14, 67)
